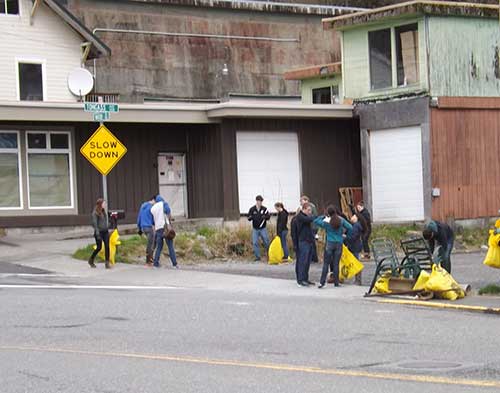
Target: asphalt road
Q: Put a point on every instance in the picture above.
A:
(185, 339)
(466, 269)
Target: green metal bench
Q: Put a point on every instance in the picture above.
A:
(417, 257)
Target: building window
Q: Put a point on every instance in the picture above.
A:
(326, 95)
(405, 67)
(49, 170)
(380, 59)
(407, 54)
(10, 173)
(9, 7)
(30, 82)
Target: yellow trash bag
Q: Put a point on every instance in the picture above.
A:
(382, 284)
(275, 252)
(349, 266)
(114, 240)
(440, 280)
(422, 281)
(493, 256)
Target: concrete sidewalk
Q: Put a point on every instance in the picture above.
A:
(52, 260)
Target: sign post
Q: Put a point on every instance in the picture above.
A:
(103, 149)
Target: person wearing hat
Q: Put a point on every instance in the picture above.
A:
(440, 233)
(259, 215)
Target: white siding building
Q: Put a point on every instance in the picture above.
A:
(38, 34)
(41, 44)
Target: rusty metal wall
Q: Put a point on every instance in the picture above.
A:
(465, 165)
(144, 66)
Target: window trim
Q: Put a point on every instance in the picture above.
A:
(394, 65)
(32, 60)
(19, 5)
(49, 150)
(330, 86)
(20, 169)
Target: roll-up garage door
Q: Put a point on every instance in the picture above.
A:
(396, 172)
(268, 164)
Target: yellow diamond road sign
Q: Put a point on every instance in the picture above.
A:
(103, 150)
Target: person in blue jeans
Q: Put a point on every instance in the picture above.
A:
(161, 217)
(335, 227)
(259, 215)
(145, 225)
(303, 239)
(442, 234)
(282, 228)
(354, 240)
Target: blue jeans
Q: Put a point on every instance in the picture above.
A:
(159, 247)
(444, 255)
(284, 244)
(262, 234)
(333, 253)
(304, 261)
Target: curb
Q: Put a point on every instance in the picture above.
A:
(458, 307)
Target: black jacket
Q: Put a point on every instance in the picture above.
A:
(443, 234)
(367, 216)
(304, 229)
(282, 222)
(258, 217)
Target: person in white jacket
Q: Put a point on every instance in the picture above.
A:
(161, 216)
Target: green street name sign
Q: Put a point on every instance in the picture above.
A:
(101, 116)
(97, 107)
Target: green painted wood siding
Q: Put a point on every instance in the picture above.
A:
(464, 56)
(307, 86)
(356, 62)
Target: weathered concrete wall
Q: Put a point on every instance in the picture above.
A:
(464, 57)
(157, 66)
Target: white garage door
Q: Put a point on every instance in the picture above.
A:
(396, 165)
(268, 164)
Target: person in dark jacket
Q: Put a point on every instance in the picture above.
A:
(100, 224)
(305, 199)
(304, 243)
(282, 228)
(259, 215)
(354, 239)
(335, 227)
(145, 224)
(362, 210)
(440, 233)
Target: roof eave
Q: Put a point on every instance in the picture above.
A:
(409, 9)
(99, 48)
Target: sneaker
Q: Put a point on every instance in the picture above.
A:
(157, 266)
(176, 266)
(92, 264)
(301, 284)
(337, 285)
(320, 286)
(257, 260)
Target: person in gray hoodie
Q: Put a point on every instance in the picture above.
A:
(101, 231)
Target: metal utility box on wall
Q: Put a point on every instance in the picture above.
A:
(172, 182)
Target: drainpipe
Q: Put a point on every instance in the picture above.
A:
(188, 35)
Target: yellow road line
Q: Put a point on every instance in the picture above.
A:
(461, 307)
(429, 379)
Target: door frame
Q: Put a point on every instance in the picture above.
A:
(184, 167)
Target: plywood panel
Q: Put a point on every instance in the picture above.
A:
(464, 148)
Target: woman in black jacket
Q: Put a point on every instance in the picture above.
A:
(282, 228)
(100, 225)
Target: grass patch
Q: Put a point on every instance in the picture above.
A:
(396, 233)
(491, 289)
(129, 251)
(472, 238)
